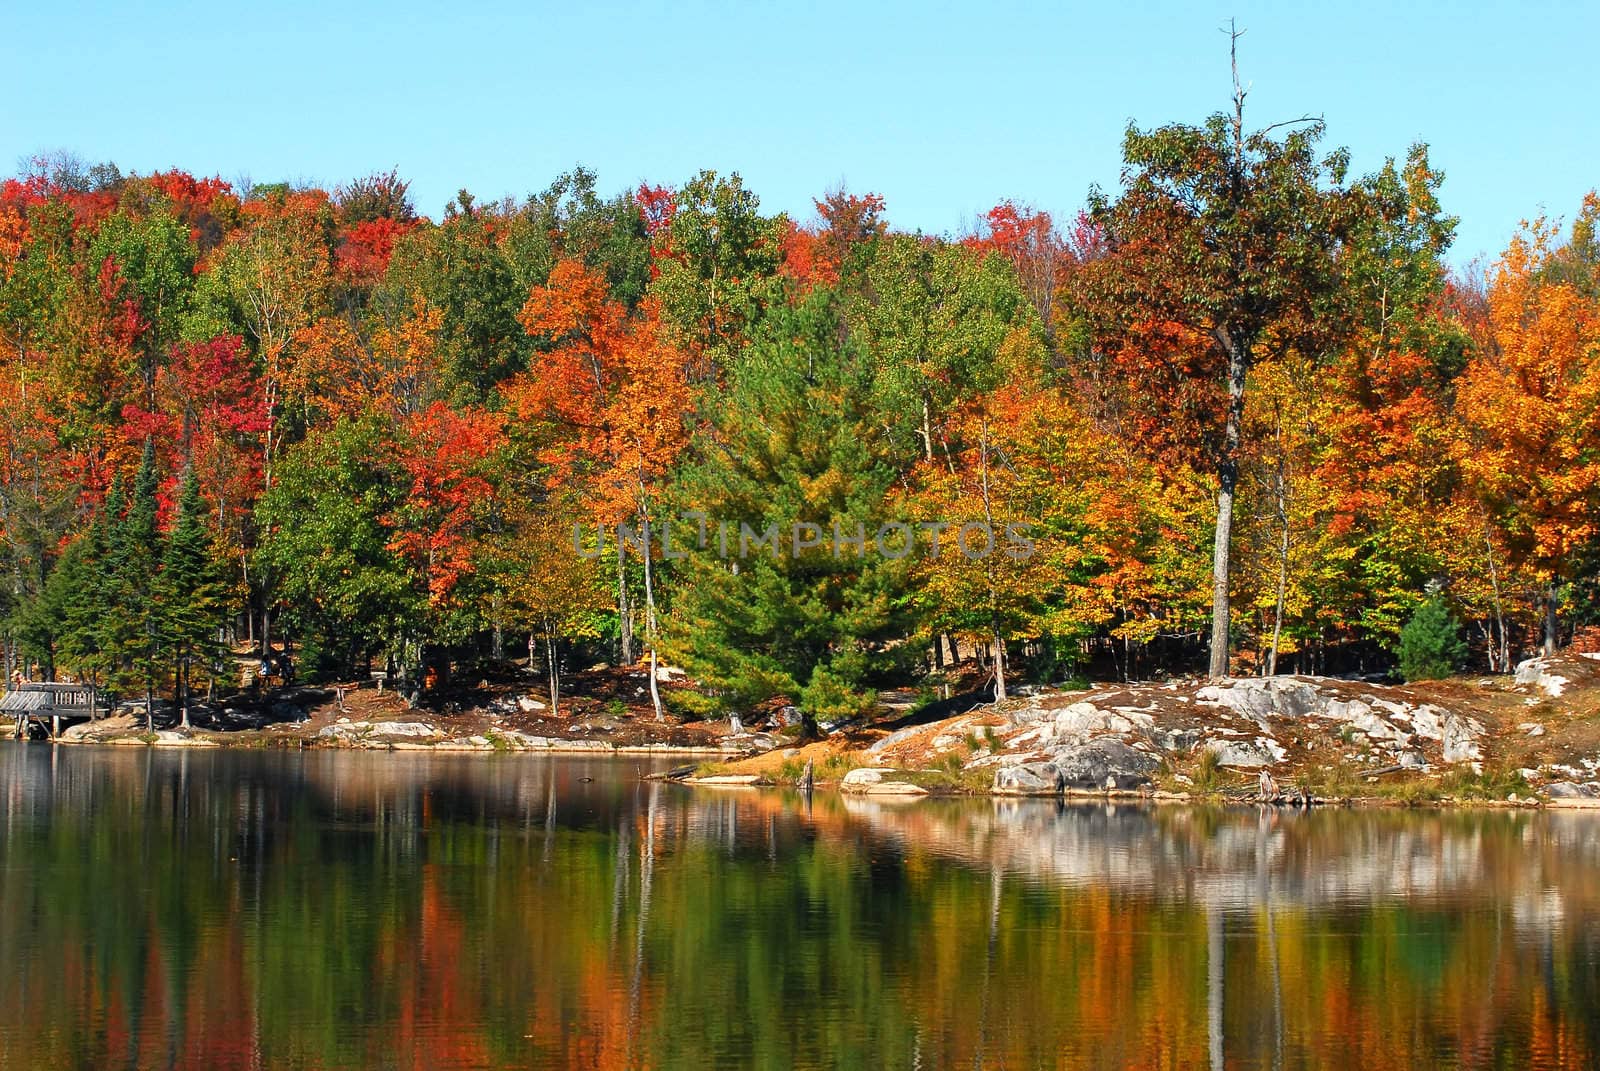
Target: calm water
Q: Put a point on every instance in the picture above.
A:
(336, 909)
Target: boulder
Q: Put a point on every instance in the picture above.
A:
(1260, 697)
(401, 728)
(1182, 740)
(1262, 751)
(859, 779)
(1361, 717)
(1028, 778)
(1537, 673)
(1103, 763)
(529, 705)
(871, 780)
(1568, 790)
(1427, 721)
(1081, 722)
(885, 743)
(1459, 739)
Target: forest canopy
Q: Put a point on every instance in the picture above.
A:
(1247, 413)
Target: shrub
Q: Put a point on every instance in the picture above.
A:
(1430, 643)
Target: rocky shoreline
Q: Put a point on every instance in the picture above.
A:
(304, 718)
(1528, 740)
(1531, 740)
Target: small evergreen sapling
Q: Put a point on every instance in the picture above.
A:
(1430, 643)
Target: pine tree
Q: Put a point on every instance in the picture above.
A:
(89, 623)
(81, 603)
(190, 595)
(793, 450)
(1430, 643)
(132, 615)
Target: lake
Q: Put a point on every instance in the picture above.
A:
(330, 909)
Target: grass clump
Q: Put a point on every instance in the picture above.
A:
(1493, 783)
(790, 772)
(1332, 781)
(1207, 775)
(835, 766)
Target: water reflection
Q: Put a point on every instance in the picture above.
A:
(340, 909)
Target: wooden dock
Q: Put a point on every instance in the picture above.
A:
(48, 704)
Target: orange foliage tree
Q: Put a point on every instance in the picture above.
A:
(612, 397)
(1531, 408)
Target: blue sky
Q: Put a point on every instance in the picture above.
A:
(945, 109)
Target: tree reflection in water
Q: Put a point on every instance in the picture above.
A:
(341, 909)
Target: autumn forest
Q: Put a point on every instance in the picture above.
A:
(1251, 414)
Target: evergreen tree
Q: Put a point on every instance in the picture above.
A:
(792, 443)
(132, 615)
(1430, 643)
(88, 622)
(81, 602)
(190, 595)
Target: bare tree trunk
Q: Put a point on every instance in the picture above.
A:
(1238, 351)
(988, 568)
(1503, 663)
(1283, 579)
(999, 665)
(624, 617)
(655, 687)
(1552, 623)
(650, 605)
(555, 674)
(1227, 481)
